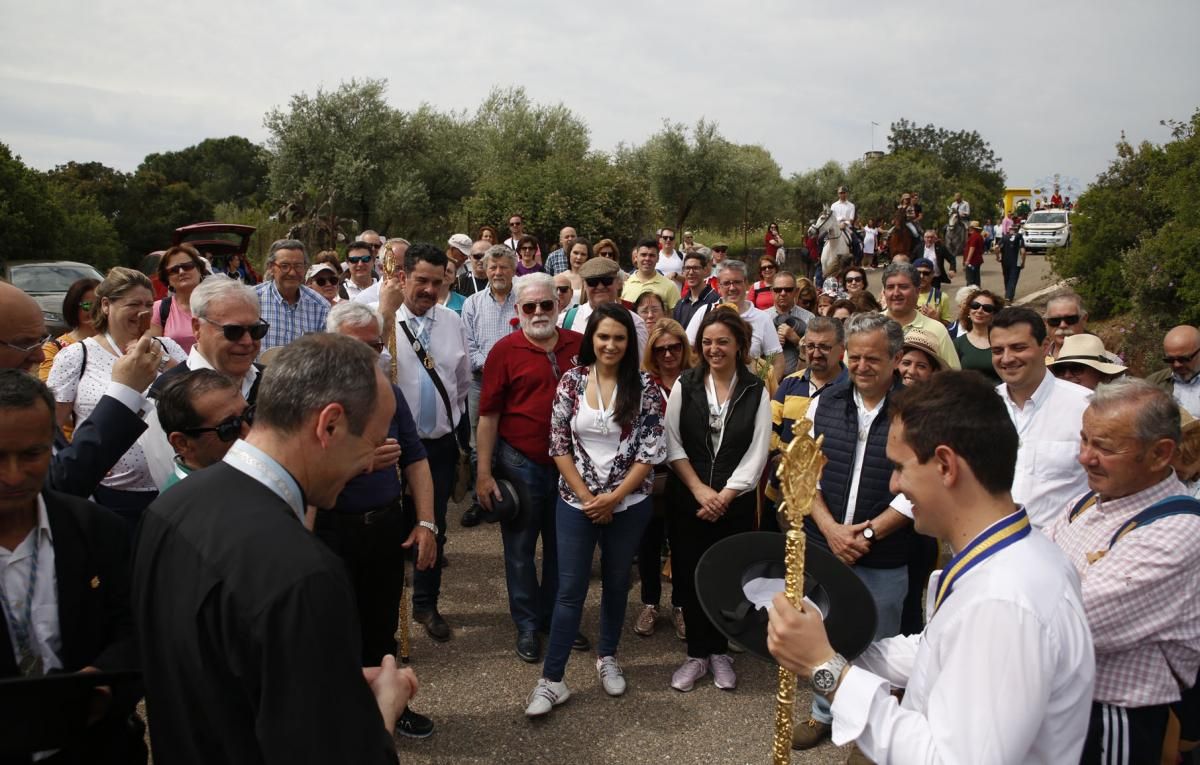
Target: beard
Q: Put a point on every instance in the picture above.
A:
(541, 331)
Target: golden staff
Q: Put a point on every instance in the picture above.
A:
(798, 473)
(389, 266)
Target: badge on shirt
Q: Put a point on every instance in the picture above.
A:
(1092, 557)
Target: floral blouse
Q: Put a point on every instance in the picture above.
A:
(644, 441)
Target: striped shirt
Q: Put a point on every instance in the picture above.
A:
(289, 321)
(1142, 597)
(486, 321)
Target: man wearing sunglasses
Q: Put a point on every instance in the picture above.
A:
(361, 257)
(1181, 378)
(1011, 257)
(229, 334)
(790, 319)
(602, 280)
(699, 288)
(1065, 316)
(290, 308)
(670, 260)
(474, 278)
(203, 413)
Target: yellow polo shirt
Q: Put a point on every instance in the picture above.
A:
(658, 284)
(946, 351)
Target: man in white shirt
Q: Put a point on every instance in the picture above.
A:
(960, 207)
(855, 513)
(1004, 670)
(764, 342)
(670, 260)
(421, 322)
(397, 247)
(602, 283)
(1181, 378)
(1046, 411)
(843, 209)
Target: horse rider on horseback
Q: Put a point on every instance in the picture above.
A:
(908, 205)
(843, 209)
(959, 210)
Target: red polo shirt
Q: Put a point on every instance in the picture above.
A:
(519, 384)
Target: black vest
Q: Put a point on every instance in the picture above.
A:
(837, 420)
(714, 470)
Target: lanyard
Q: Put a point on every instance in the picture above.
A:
(22, 630)
(999, 535)
(113, 344)
(716, 414)
(605, 412)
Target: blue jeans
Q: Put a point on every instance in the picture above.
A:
(577, 539)
(443, 463)
(888, 587)
(473, 416)
(531, 604)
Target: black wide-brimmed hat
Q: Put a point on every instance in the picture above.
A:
(728, 566)
(51, 711)
(508, 509)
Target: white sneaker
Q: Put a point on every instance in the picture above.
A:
(611, 677)
(722, 669)
(688, 673)
(546, 696)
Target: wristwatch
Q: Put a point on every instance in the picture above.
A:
(869, 532)
(429, 525)
(825, 676)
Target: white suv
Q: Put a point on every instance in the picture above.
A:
(1044, 229)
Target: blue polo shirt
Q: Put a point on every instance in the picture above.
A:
(371, 491)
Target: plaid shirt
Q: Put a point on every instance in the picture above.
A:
(487, 321)
(1142, 598)
(557, 262)
(288, 321)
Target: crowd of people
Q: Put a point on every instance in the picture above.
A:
(224, 483)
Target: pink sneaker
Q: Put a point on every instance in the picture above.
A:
(723, 674)
(688, 673)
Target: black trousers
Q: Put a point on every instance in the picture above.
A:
(921, 564)
(375, 563)
(690, 538)
(1125, 735)
(650, 556)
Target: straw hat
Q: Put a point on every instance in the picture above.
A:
(1087, 350)
(920, 340)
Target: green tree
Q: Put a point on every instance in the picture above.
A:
(232, 169)
(756, 193)
(152, 208)
(964, 158)
(876, 184)
(816, 189)
(689, 169)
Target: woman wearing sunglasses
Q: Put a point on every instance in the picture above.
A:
(82, 373)
(606, 435)
(667, 356)
(760, 292)
(181, 268)
(974, 348)
(325, 280)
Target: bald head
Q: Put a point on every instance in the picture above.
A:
(21, 327)
(1180, 348)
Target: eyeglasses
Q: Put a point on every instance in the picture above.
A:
(822, 347)
(86, 305)
(180, 268)
(855, 279)
(563, 289)
(325, 281)
(234, 332)
(783, 290)
(1058, 321)
(27, 348)
(596, 281)
(985, 307)
(359, 258)
(1166, 359)
(693, 267)
(228, 429)
(289, 266)
(674, 349)
(734, 283)
(546, 305)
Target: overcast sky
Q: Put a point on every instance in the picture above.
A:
(1050, 84)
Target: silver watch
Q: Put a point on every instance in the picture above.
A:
(825, 676)
(429, 525)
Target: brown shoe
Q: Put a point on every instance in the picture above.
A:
(857, 757)
(680, 624)
(644, 625)
(808, 734)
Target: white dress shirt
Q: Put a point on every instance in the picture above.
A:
(842, 211)
(764, 340)
(1048, 470)
(745, 476)
(1002, 673)
(196, 360)
(15, 572)
(448, 349)
(1187, 394)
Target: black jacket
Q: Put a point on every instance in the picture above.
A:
(99, 441)
(714, 469)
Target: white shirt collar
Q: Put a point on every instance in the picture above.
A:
(1040, 394)
(196, 360)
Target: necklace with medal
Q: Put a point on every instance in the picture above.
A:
(604, 413)
(30, 664)
(716, 412)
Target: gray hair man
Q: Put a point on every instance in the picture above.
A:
(764, 343)
(284, 650)
(855, 514)
(901, 290)
(1065, 316)
(602, 282)
(1134, 539)
(290, 308)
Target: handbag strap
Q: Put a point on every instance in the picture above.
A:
(428, 364)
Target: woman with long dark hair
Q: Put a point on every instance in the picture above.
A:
(606, 434)
(718, 435)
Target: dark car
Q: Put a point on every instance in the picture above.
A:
(47, 282)
(215, 241)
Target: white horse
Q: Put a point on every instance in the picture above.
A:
(837, 241)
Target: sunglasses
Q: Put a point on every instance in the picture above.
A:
(376, 246)
(667, 238)
(783, 290)
(478, 255)
(546, 305)
(325, 281)
(360, 258)
(854, 279)
(1058, 321)
(1180, 359)
(85, 305)
(527, 248)
(924, 272)
(562, 290)
(234, 332)
(766, 267)
(514, 223)
(180, 268)
(596, 281)
(228, 429)
(985, 307)
(674, 349)
(608, 254)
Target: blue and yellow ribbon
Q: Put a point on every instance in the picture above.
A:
(1001, 534)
